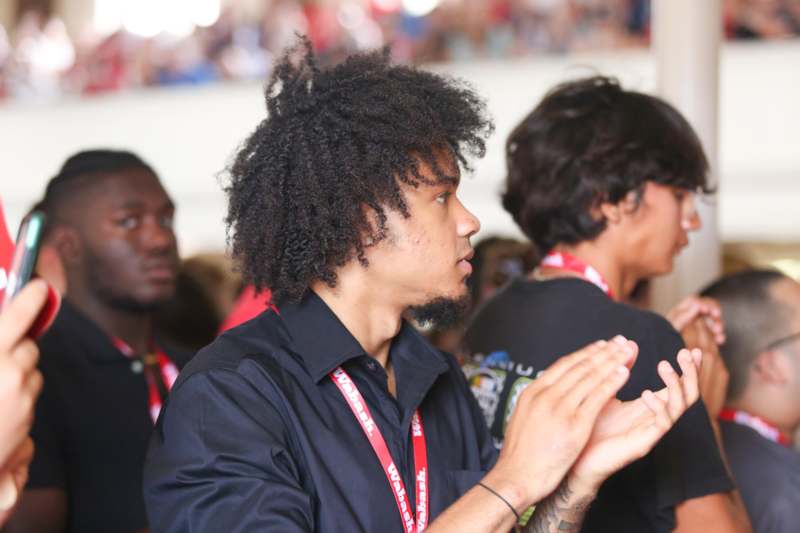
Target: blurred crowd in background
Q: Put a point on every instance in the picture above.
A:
(177, 42)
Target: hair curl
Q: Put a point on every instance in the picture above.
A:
(336, 144)
(587, 142)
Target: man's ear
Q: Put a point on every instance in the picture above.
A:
(67, 243)
(614, 213)
(771, 367)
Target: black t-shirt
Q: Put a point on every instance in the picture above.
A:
(768, 477)
(92, 426)
(529, 325)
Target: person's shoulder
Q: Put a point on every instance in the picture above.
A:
(747, 449)
(69, 339)
(767, 473)
(260, 337)
(650, 323)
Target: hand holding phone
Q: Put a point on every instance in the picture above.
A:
(26, 252)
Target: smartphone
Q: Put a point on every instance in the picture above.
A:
(26, 252)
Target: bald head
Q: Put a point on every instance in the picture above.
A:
(756, 314)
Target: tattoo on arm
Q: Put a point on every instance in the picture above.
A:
(561, 512)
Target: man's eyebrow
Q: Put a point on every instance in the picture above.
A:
(449, 180)
(130, 204)
(138, 204)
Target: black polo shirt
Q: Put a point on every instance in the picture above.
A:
(92, 426)
(256, 436)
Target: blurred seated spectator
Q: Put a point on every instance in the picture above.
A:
(497, 261)
(106, 376)
(761, 19)
(761, 309)
(242, 42)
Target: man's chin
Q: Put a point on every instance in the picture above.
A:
(442, 311)
(138, 303)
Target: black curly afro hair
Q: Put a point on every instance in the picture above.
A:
(331, 156)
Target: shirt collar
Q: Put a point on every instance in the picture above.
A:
(324, 342)
(98, 346)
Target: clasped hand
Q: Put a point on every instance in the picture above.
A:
(568, 422)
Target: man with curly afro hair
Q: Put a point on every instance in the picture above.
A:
(329, 411)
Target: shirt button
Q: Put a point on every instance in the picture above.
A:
(372, 365)
(136, 367)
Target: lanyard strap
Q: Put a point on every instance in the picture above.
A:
(764, 428)
(159, 372)
(360, 410)
(569, 262)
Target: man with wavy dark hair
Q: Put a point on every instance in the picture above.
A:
(331, 413)
(602, 181)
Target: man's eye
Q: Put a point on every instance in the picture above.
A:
(166, 221)
(442, 198)
(130, 222)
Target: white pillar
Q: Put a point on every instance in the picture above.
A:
(686, 41)
(8, 11)
(76, 14)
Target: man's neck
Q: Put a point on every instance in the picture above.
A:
(768, 408)
(597, 255)
(133, 328)
(367, 315)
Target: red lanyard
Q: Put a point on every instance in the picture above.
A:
(364, 417)
(169, 373)
(569, 262)
(764, 428)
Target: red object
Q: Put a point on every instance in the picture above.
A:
(569, 262)
(169, 373)
(360, 410)
(764, 428)
(53, 303)
(249, 305)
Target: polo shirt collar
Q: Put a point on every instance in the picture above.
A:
(325, 343)
(99, 347)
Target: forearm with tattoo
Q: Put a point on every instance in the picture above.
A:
(561, 512)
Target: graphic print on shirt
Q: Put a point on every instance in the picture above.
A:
(486, 383)
(520, 384)
(489, 380)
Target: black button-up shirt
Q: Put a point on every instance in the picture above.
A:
(256, 437)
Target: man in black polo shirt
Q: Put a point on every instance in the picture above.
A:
(761, 309)
(105, 376)
(331, 413)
